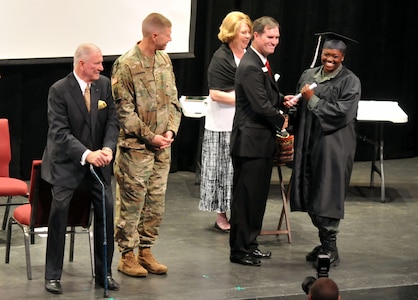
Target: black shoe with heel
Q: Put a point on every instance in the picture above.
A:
(53, 286)
(217, 227)
(313, 255)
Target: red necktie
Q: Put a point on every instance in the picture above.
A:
(269, 68)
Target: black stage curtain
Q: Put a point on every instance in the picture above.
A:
(384, 60)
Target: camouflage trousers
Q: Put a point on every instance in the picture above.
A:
(141, 183)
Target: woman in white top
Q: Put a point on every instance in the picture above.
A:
(217, 171)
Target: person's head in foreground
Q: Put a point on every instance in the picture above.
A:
(324, 289)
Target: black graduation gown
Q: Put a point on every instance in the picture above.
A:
(325, 144)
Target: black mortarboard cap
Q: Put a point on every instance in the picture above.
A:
(332, 41)
(335, 40)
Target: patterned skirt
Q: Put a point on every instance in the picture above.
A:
(216, 173)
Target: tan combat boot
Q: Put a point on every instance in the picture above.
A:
(130, 266)
(147, 260)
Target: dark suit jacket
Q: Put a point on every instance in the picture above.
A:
(72, 130)
(256, 115)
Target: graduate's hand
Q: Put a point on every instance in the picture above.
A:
(307, 92)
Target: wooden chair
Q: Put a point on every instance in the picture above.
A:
(9, 187)
(283, 157)
(35, 216)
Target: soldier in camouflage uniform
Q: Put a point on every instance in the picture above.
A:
(149, 113)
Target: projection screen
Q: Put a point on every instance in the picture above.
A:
(35, 31)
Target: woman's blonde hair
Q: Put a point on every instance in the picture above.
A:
(231, 25)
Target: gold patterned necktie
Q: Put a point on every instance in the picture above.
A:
(87, 97)
(269, 68)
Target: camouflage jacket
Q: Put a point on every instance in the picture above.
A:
(145, 96)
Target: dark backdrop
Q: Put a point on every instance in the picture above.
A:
(385, 61)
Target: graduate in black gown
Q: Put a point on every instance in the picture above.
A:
(325, 143)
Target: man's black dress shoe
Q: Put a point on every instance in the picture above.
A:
(246, 259)
(53, 286)
(258, 254)
(112, 285)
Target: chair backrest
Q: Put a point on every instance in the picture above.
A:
(5, 152)
(40, 197)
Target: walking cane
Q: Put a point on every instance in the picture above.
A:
(105, 295)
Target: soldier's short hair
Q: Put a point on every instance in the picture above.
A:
(154, 22)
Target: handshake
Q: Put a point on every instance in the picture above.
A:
(290, 102)
(295, 99)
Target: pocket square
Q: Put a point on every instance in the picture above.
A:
(101, 104)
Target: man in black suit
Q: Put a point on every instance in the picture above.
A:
(81, 133)
(257, 119)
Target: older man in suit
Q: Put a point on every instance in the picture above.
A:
(83, 131)
(257, 118)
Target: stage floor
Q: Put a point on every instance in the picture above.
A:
(378, 247)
